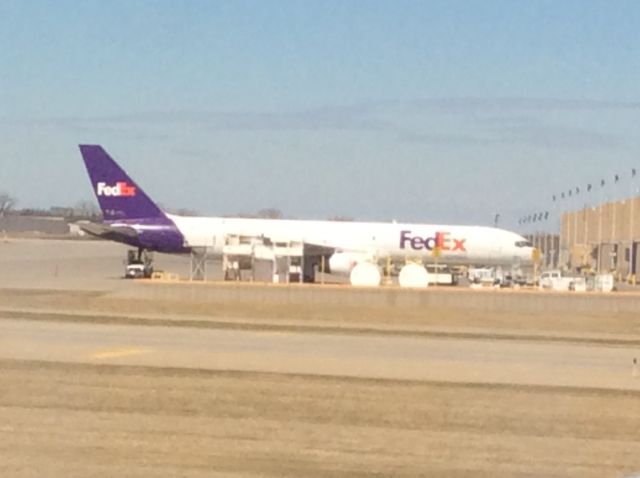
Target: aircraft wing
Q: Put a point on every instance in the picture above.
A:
(311, 248)
(317, 249)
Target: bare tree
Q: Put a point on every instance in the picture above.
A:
(86, 208)
(267, 213)
(181, 211)
(186, 212)
(7, 202)
(270, 213)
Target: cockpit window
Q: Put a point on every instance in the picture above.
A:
(524, 244)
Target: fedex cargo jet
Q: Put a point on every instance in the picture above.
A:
(132, 218)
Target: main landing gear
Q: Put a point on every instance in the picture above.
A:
(139, 264)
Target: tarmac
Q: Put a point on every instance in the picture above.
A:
(109, 377)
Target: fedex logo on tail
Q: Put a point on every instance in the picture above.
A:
(441, 240)
(121, 189)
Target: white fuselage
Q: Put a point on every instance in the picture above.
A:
(425, 242)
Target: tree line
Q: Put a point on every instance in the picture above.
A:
(87, 209)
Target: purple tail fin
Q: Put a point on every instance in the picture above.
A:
(119, 196)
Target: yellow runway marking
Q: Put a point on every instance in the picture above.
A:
(117, 353)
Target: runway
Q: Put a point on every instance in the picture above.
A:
(483, 361)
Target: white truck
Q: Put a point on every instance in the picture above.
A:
(554, 280)
(440, 274)
(604, 283)
(482, 276)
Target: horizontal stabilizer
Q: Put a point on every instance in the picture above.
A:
(114, 233)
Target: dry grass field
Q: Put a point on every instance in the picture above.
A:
(79, 420)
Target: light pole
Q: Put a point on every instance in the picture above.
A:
(552, 258)
(632, 200)
(632, 256)
(565, 230)
(602, 197)
(614, 244)
(575, 217)
(575, 221)
(587, 217)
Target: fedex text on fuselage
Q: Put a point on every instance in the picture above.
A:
(441, 240)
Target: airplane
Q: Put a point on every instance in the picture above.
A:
(132, 218)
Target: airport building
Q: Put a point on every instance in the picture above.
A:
(602, 238)
(548, 244)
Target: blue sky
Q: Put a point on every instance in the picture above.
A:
(444, 111)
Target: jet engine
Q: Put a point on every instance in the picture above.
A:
(342, 262)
